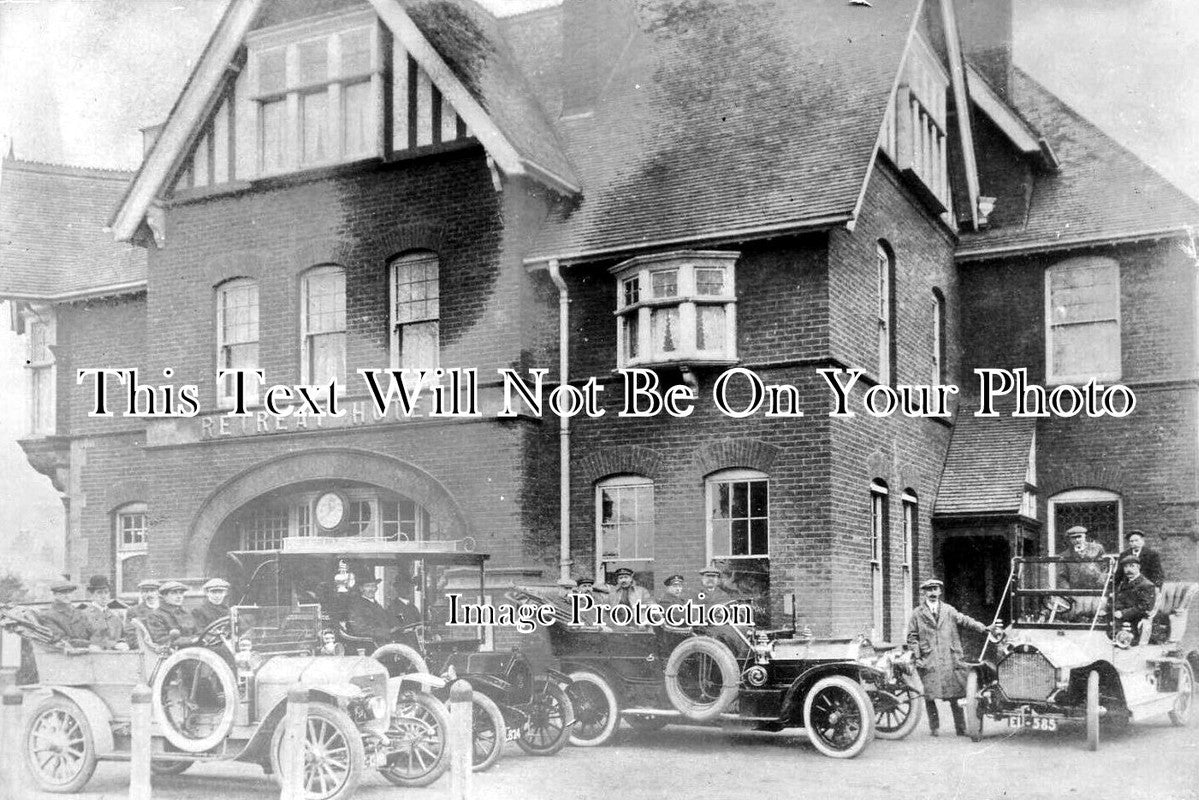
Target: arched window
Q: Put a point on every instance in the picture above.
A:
(624, 520)
(1082, 320)
(879, 536)
(130, 543)
(911, 544)
(236, 337)
(323, 325)
(938, 338)
(415, 311)
(885, 269)
(738, 514)
(1099, 511)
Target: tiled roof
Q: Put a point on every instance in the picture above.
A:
(1101, 190)
(730, 116)
(53, 243)
(986, 464)
(473, 45)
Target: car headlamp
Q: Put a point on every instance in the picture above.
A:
(378, 707)
(756, 676)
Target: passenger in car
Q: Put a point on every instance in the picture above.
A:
(67, 623)
(1135, 596)
(105, 625)
(1080, 571)
(171, 616)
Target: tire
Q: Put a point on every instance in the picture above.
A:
(838, 716)
(971, 709)
(896, 714)
(596, 711)
(488, 732)
(60, 749)
(403, 659)
(177, 680)
(689, 678)
(551, 717)
(646, 723)
(169, 767)
(421, 725)
(329, 731)
(1093, 710)
(1180, 715)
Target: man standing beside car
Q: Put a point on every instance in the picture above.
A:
(933, 636)
(1151, 562)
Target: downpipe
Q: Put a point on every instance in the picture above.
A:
(564, 559)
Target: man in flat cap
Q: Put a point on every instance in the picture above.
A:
(144, 612)
(674, 590)
(1080, 570)
(107, 628)
(1151, 562)
(711, 590)
(213, 607)
(1135, 596)
(933, 637)
(67, 623)
(627, 591)
(171, 616)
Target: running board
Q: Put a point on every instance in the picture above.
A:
(671, 714)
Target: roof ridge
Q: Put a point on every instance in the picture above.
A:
(61, 168)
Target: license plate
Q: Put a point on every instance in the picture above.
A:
(1030, 720)
(513, 735)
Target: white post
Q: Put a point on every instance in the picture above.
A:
(139, 743)
(461, 740)
(12, 771)
(292, 755)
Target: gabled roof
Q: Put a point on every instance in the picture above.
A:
(468, 60)
(53, 243)
(1100, 192)
(986, 465)
(731, 117)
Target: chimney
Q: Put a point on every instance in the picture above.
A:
(594, 36)
(986, 30)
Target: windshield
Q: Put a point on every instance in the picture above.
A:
(1060, 591)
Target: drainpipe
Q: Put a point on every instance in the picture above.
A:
(564, 559)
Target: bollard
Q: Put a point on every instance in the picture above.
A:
(139, 743)
(12, 771)
(461, 740)
(292, 752)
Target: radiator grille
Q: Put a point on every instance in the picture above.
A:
(1026, 676)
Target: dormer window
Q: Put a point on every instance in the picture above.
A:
(316, 91)
(676, 308)
(914, 132)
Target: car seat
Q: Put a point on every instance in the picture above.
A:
(1173, 602)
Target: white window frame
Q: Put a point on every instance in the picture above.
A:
(124, 551)
(306, 334)
(1073, 496)
(711, 482)
(42, 372)
(885, 279)
(289, 38)
(623, 482)
(687, 300)
(911, 532)
(398, 319)
(879, 524)
(225, 399)
(1053, 376)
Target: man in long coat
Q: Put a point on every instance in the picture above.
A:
(1079, 569)
(933, 636)
(1151, 562)
(106, 626)
(365, 617)
(67, 623)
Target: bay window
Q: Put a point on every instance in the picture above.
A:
(39, 365)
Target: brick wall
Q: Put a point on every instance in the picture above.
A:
(98, 334)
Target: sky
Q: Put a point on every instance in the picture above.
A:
(78, 78)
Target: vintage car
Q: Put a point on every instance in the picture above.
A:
(732, 675)
(511, 701)
(211, 702)
(1065, 660)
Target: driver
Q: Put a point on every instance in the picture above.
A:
(1079, 570)
(171, 616)
(1135, 596)
(365, 617)
(213, 607)
(627, 591)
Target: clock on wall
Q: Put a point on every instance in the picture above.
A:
(330, 510)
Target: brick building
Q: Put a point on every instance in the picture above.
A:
(776, 186)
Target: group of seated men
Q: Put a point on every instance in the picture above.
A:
(1138, 578)
(160, 609)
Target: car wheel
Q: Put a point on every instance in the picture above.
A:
(334, 756)
(1180, 715)
(400, 659)
(702, 678)
(972, 708)
(194, 695)
(596, 711)
(1093, 710)
(896, 713)
(488, 732)
(838, 716)
(645, 722)
(418, 732)
(169, 767)
(60, 750)
(551, 716)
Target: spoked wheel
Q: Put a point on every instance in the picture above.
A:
(972, 708)
(334, 757)
(897, 711)
(647, 723)
(595, 708)
(419, 731)
(488, 732)
(838, 716)
(1093, 710)
(194, 694)
(702, 678)
(59, 748)
(551, 715)
(1180, 715)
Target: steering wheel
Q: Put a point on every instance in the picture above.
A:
(417, 629)
(1057, 604)
(219, 631)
